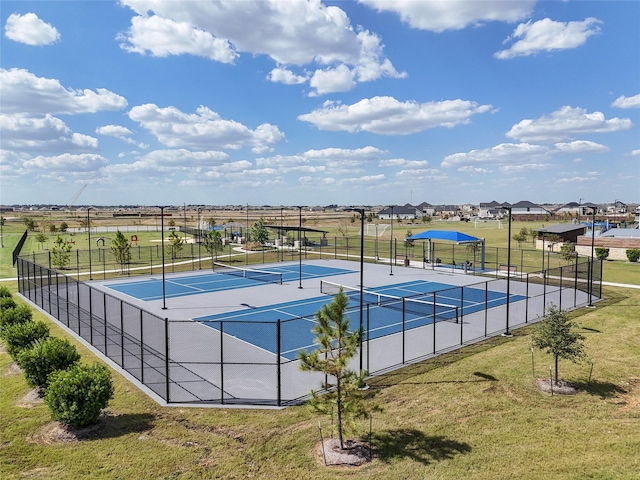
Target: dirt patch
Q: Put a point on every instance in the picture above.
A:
(557, 388)
(354, 454)
(13, 369)
(31, 399)
(55, 433)
(632, 397)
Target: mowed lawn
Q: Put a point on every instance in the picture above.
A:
(472, 414)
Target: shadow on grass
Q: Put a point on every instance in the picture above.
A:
(601, 389)
(413, 444)
(117, 426)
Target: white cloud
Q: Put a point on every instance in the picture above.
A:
(402, 162)
(161, 37)
(388, 116)
(580, 146)
(292, 33)
(329, 156)
(503, 154)
(576, 179)
(469, 168)
(627, 102)
(547, 35)
(203, 129)
(438, 16)
(286, 76)
(338, 79)
(29, 29)
(22, 92)
(527, 167)
(117, 131)
(42, 134)
(67, 163)
(634, 153)
(565, 123)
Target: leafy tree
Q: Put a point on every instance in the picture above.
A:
(174, 245)
(633, 254)
(407, 242)
(41, 238)
(121, 250)
(212, 242)
(47, 355)
(370, 217)
(259, 233)
(30, 223)
(84, 223)
(337, 346)
(53, 228)
(554, 335)
(22, 336)
(211, 222)
(60, 253)
(521, 236)
(76, 396)
(532, 234)
(172, 222)
(568, 252)
(3, 220)
(602, 253)
(64, 227)
(343, 228)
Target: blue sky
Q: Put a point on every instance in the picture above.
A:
(313, 103)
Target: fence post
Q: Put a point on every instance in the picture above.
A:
(526, 302)
(279, 373)
(142, 346)
(221, 363)
(90, 317)
(560, 301)
(104, 299)
(368, 343)
(435, 321)
(486, 306)
(166, 351)
(575, 283)
(403, 328)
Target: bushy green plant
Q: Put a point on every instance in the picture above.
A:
(46, 356)
(6, 303)
(633, 254)
(602, 253)
(14, 316)
(5, 292)
(22, 336)
(76, 396)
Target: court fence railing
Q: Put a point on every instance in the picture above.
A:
(209, 362)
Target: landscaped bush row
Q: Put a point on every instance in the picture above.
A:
(75, 393)
(633, 254)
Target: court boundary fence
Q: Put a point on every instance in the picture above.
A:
(188, 362)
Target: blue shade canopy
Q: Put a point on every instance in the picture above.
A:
(457, 237)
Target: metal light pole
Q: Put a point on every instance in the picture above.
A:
(300, 247)
(507, 333)
(164, 292)
(361, 212)
(593, 238)
(199, 239)
(246, 240)
(543, 253)
(391, 244)
(1, 235)
(281, 239)
(89, 232)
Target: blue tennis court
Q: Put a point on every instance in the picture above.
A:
(383, 314)
(223, 279)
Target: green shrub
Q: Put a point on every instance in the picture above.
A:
(602, 253)
(14, 316)
(47, 355)
(7, 303)
(5, 292)
(22, 336)
(76, 396)
(633, 254)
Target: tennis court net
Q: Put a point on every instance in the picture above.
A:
(250, 273)
(408, 305)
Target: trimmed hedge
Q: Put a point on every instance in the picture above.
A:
(14, 316)
(5, 292)
(76, 396)
(23, 336)
(633, 254)
(47, 355)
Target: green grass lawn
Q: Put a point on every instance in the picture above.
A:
(471, 414)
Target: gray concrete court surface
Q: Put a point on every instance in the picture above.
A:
(208, 365)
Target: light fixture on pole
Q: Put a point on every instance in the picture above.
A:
(300, 246)
(199, 239)
(89, 232)
(361, 212)
(593, 238)
(391, 244)
(164, 291)
(507, 333)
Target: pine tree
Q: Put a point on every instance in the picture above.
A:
(337, 346)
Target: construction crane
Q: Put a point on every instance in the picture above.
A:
(77, 195)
